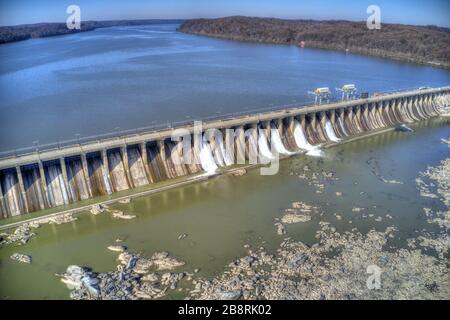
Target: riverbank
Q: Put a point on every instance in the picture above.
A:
(414, 44)
(23, 32)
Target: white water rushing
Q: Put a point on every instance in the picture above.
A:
(218, 156)
(303, 143)
(342, 127)
(226, 156)
(276, 140)
(206, 158)
(264, 150)
(330, 132)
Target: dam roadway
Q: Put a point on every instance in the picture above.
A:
(33, 181)
(117, 142)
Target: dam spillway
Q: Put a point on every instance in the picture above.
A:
(55, 177)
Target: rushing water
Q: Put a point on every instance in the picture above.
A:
(206, 158)
(276, 140)
(330, 132)
(221, 215)
(263, 145)
(121, 78)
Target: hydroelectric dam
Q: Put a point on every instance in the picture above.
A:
(52, 177)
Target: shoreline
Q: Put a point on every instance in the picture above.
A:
(23, 32)
(396, 42)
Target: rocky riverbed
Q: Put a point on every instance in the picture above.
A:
(299, 212)
(339, 265)
(336, 267)
(136, 277)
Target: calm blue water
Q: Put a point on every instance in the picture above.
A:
(126, 77)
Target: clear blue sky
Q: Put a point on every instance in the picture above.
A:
(437, 12)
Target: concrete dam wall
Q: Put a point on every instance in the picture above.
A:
(52, 178)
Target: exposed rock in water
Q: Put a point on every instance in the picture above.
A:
(21, 258)
(440, 244)
(120, 215)
(346, 36)
(222, 294)
(150, 277)
(403, 128)
(24, 233)
(21, 235)
(182, 236)
(446, 141)
(80, 278)
(300, 212)
(435, 183)
(133, 279)
(117, 248)
(158, 261)
(333, 268)
(97, 209)
(59, 219)
(280, 228)
(147, 290)
(239, 172)
(295, 218)
(392, 181)
(171, 279)
(120, 239)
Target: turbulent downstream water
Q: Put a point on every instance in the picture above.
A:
(222, 215)
(122, 78)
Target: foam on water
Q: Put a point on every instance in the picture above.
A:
(303, 143)
(277, 143)
(330, 132)
(342, 127)
(206, 158)
(264, 149)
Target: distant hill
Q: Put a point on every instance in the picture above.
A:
(418, 44)
(40, 30)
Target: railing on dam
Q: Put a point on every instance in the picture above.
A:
(121, 134)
